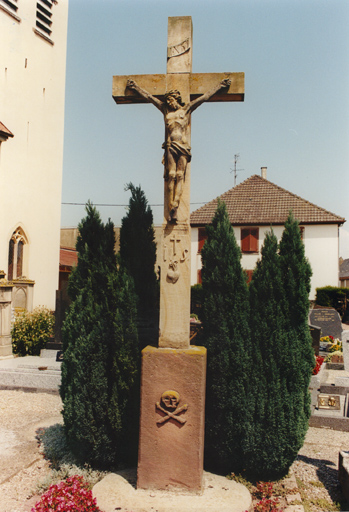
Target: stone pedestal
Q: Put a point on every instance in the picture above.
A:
(5, 319)
(172, 419)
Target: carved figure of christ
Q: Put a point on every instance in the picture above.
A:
(176, 146)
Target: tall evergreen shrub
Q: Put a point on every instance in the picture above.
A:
(225, 313)
(282, 355)
(296, 274)
(270, 448)
(100, 366)
(138, 247)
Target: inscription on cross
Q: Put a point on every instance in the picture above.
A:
(177, 94)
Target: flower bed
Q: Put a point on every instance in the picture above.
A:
(318, 362)
(71, 495)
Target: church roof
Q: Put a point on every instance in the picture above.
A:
(257, 201)
(5, 132)
(68, 257)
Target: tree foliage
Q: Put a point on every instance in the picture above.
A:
(282, 354)
(260, 357)
(296, 274)
(225, 311)
(138, 249)
(100, 367)
(268, 446)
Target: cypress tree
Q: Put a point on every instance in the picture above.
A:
(282, 355)
(270, 448)
(138, 254)
(296, 273)
(100, 366)
(225, 313)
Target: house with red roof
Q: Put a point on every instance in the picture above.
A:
(256, 205)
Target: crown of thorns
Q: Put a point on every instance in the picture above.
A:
(176, 95)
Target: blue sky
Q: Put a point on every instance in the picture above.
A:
(294, 120)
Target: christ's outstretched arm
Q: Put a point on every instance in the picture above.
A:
(131, 84)
(205, 97)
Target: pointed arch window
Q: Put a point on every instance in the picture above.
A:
(16, 254)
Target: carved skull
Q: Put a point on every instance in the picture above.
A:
(170, 399)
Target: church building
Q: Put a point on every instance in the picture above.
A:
(32, 88)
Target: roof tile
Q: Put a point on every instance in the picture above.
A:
(258, 201)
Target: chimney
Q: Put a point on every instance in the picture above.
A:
(264, 172)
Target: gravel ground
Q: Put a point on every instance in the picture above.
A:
(22, 465)
(316, 469)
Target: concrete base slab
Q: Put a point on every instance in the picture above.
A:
(30, 373)
(118, 492)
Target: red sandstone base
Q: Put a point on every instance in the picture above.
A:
(171, 443)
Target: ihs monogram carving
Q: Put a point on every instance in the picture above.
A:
(170, 406)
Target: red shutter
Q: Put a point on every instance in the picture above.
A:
(254, 240)
(199, 277)
(249, 274)
(245, 243)
(249, 239)
(202, 238)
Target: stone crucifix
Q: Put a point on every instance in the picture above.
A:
(171, 440)
(177, 94)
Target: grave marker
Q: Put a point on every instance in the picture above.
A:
(328, 320)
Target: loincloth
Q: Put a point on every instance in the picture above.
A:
(176, 149)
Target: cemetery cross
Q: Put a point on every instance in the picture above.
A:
(176, 94)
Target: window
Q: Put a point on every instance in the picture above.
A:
(11, 253)
(11, 5)
(249, 240)
(44, 17)
(15, 255)
(202, 238)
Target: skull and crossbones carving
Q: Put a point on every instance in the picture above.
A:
(170, 401)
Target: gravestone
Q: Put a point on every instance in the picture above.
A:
(345, 344)
(5, 318)
(315, 333)
(174, 374)
(328, 320)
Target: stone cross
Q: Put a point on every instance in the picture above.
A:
(176, 94)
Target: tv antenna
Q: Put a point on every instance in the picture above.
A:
(236, 158)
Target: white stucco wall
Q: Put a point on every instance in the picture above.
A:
(321, 249)
(32, 86)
